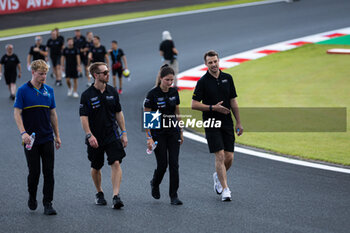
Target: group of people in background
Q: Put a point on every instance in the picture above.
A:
(67, 59)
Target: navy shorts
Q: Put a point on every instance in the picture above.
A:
(10, 78)
(56, 60)
(220, 139)
(84, 59)
(114, 150)
(71, 72)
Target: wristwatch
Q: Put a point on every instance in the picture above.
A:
(88, 136)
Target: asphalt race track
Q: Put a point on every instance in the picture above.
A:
(268, 196)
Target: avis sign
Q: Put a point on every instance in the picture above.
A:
(16, 6)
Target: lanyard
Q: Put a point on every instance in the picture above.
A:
(46, 93)
(115, 54)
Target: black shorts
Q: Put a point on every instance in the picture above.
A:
(114, 151)
(55, 60)
(10, 78)
(71, 72)
(220, 139)
(84, 59)
(118, 71)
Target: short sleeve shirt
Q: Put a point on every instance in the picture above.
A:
(36, 105)
(79, 42)
(116, 55)
(100, 108)
(71, 57)
(98, 54)
(211, 90)
(89, 45)
(10, 63)
(37, 55)
(55, 46)
(165, 102)
(167, 48)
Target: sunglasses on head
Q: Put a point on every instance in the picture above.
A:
(103, 72)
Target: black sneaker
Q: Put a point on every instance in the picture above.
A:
(100, 199)
(155, 191)
(32, 204)
(175, 201)
(49, 210)
(117, 203)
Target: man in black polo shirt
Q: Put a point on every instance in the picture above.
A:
(71, 64)
(37, 51)
(88, 45)
(55, 45)
(99, 111)
(119, 63)
(11, 63)
(215, 95)
(98, 53)
(79, 43)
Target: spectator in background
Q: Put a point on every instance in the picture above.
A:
(88, 45)
(11, 63)
(79, 43)
(169, 53)
(71, 64)
(98, 52)
(37, 51)
(119, 63)
(55, 46)
(59, 37)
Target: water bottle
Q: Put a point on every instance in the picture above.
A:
(30, 145)
(148, 151)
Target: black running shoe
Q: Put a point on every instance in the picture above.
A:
(100, 199)
(117, 203)
(155, 191)
(175, 201)
(49, 210)
(32, 204)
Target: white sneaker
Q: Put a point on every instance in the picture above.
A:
(217, 184)
(75, 95)
(70, 92)
(226, 195)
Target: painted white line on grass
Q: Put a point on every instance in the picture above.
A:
(264, 155)
(145, 19)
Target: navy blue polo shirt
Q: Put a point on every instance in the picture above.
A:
(36, 105)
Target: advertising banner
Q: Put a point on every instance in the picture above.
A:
(16, 6)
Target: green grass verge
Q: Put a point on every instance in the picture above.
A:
(112, 18)
(302, 77)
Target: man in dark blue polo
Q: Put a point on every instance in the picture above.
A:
(35, 112)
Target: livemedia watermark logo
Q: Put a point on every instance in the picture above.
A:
(157, 120)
